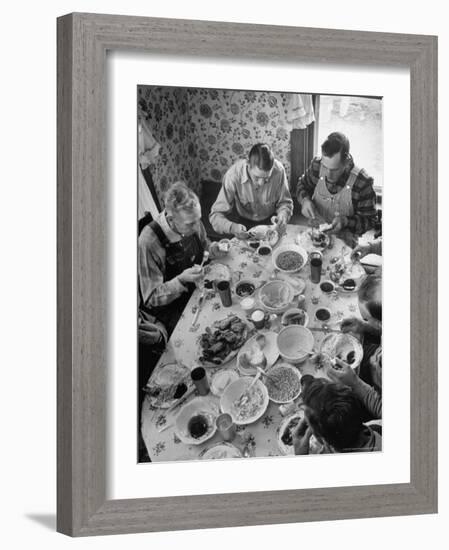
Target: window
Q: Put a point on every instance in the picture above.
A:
(360, 119)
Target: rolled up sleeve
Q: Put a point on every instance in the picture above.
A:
(154, 292)
(284, 203)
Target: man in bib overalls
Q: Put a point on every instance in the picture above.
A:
(170, 249)
(334, 190)
(253, 190)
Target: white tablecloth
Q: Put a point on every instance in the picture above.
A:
(183, 346)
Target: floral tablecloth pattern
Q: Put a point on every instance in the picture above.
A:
(261, 437)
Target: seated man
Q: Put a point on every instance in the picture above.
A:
(333, 414)
(252, 192)
(170, 249)
(334, 189)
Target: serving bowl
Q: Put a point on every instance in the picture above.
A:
(253, 408)
(295, 344)
(276, 296)
(279, 256)
(198, 406)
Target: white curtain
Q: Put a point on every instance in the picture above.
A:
(148, 152)
(300, 111)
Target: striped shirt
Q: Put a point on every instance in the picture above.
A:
(363, 195)
(239, 193)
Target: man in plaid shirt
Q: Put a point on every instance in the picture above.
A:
(335, 190)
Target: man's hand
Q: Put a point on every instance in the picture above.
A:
(338, 224)
(301, 438)
(281, 221)
(191, 274)
(240, 231)
(360, 251)
(343, 373)
(353, 324)
(307, 209)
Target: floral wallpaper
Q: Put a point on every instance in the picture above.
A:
(203, 132)
(167, 115)
(226, 124)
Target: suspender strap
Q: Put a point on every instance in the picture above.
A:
(159, 233)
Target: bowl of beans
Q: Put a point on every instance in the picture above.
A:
(289, 258)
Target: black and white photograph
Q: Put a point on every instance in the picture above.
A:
(259, 263)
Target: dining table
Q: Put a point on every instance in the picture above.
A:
(260, 438)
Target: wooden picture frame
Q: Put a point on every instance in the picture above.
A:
(83, 40)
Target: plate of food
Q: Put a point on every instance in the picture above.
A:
(289, 258)
(221, 380)
(244, 404)
(344, 346)
(295, 316)
(168, 383)
(221, 341)
(246, 288)
(267, 233)
(319, 238)
(285, 432)
(195, 422)
(283, 383)
(259, 351)
(220, 451)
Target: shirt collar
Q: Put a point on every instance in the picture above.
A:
(245, 177)
(171, 235)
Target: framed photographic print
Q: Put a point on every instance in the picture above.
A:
(226, 295)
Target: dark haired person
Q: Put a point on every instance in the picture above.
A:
(252, 191)
(334, 415)
(334, 189)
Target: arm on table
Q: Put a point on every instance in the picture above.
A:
(224, 205)
(284, 203)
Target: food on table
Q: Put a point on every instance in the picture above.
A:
(245, 288)
(222, 379)
(297, 317)
(289, 260)
(245, 404)
(276, 294)
(197, 426)
(349, 284)
(322, 314)
(195, 421)
(254, 357)
(295, 343)
(319, 238)
(244, 409)
(327, 287)
(287, 436)
(264, 250)
(283, 383)
(166, 384)
(224, 245)
(220, 451)
(216, 272)
(343, 346)
(222, 339)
